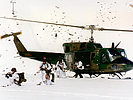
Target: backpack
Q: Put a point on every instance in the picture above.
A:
(21, 77)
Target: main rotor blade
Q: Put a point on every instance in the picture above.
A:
(26, 20)
(105, 29)
(88, 27)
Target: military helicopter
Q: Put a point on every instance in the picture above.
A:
(96, 59)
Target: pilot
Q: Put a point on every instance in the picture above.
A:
(60, 69)
(78, 67)
(46, 71)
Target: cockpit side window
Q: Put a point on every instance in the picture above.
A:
(104, 58)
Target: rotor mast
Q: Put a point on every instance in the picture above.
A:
(91, 27)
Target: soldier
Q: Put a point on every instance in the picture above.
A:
(60, 71)
(46, 71)
(78, 67)
(13, 77)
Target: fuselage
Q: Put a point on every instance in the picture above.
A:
(96, 59)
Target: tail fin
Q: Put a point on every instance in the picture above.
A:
(20, 47)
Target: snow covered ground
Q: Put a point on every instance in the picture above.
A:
(69, 89)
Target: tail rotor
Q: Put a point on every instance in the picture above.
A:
(8, 35)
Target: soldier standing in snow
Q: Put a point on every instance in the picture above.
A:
(60, 71)
(77, 68)
(46, 71)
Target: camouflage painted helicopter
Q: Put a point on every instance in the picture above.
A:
(96, 59)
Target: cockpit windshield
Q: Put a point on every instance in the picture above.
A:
(116, 53)
(123, 53)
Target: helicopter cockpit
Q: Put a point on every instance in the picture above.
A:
(116, 53)
(110, 55)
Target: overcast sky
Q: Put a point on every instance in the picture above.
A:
(42, 37)
(103, 13)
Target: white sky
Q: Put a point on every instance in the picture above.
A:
(41, 37)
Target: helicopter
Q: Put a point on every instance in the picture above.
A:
(96, 59)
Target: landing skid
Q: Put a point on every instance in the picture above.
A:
(127, 78)
(94, 75)
(119, 75)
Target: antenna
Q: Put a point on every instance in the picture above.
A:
(13, 11)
